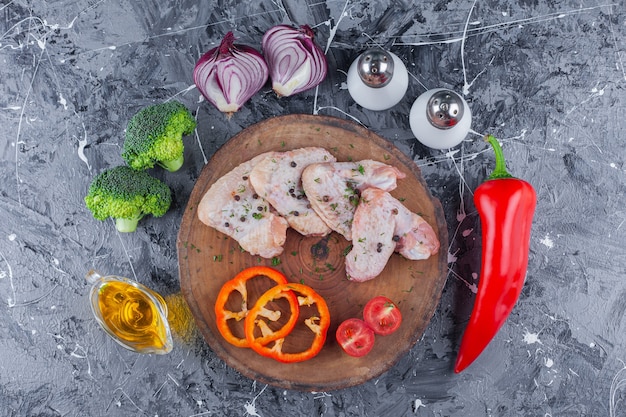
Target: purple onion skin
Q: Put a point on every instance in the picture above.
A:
(228, 75)
(296, 63)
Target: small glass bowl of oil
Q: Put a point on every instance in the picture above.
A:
(131, 313)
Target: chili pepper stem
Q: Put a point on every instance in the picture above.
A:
(500, 169)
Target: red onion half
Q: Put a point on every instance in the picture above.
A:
(230, 74)
(296, 62)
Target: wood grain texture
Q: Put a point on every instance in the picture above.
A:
(208, 258)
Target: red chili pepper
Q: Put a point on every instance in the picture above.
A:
(506, 206)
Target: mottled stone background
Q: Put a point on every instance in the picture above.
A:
(547, 77)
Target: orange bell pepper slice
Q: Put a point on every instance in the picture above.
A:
(238, 284)
(318, 324)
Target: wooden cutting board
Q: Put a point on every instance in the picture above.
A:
(207, 259)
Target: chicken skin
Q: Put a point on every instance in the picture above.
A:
(277, 178)
(382, 225)
(333, 188)
(233, 207)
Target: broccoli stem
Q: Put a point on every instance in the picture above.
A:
(126, 225)
(174, 164)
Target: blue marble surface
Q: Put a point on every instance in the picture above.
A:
(547, 78)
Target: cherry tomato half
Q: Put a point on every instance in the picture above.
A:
(355, 337)
(382, 315)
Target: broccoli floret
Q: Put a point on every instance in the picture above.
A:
(127, 195)
(155, 135)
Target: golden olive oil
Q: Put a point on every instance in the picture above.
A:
(132, 316)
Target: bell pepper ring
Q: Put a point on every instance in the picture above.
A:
(318, 324)
(506, 206)
(238, 284)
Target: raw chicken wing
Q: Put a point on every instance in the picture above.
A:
(277, 178)
(333, 188)
(382, 225)
(232, 206)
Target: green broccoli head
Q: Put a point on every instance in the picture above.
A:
(155, 135)
(127, 195)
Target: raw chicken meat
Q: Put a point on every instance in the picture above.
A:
(333, 188)
(382, 225)
(232, 206)
(276, 178)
